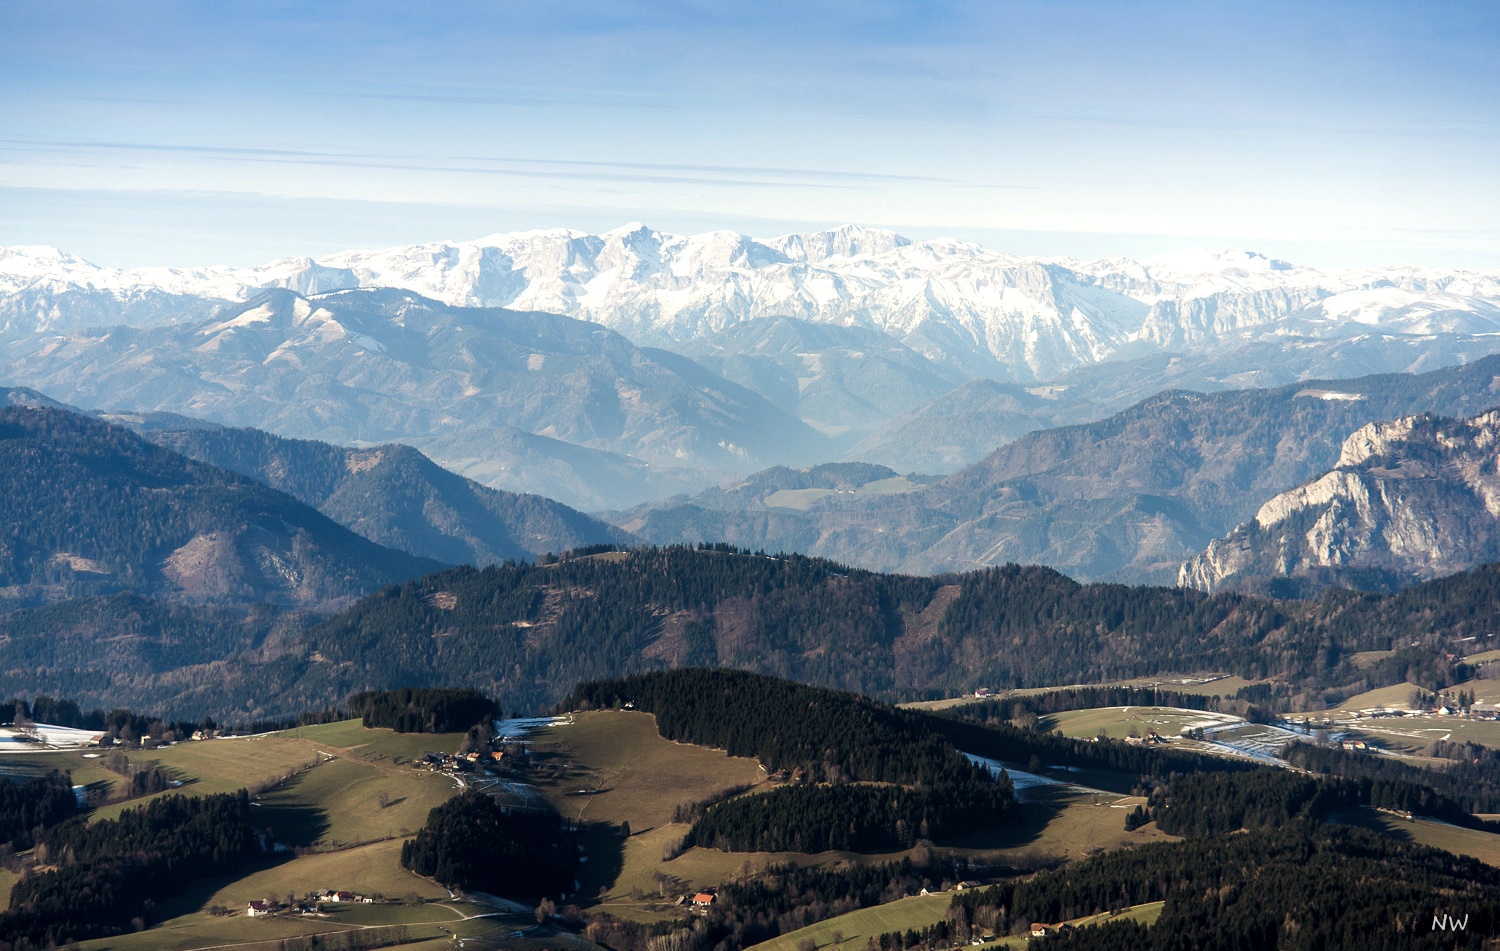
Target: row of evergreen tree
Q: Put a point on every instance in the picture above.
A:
(32, 804)
(1470, 784)
(423, 709)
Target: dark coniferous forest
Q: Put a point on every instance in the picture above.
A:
(33, 804)
(836, 744)
(107, 872)
(423, 710)
(1301, 886)
(473, 842)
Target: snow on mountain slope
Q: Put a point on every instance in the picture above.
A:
(975, 311)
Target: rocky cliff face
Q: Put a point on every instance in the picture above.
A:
(1409, 500)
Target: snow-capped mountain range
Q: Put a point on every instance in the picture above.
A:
(971, 310)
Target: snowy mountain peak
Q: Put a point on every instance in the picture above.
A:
(973, 310)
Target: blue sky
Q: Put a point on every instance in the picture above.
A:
(192, 133)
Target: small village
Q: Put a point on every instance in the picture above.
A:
(310, 904)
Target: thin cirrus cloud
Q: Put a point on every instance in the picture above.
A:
(645, 172)
(1280, 125)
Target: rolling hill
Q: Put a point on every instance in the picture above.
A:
(1126, 498)
(525, 633)
(356, 367)
(390, 494)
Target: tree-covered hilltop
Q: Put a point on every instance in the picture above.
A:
(1301, 886)
(104, 873)
(828, 735)
(526, 633)
(168, 656)
(91, 509)
(423, 710)
(870, 776)
(471, 841)
(393, 495)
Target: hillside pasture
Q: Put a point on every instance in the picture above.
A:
(84, 766)
(366, 869)
(1394, 697)
(1120, 722)
(607, 768)
(1415, 734)
(219, 766)
(1482, 688)
(376, 743)
(339, 801)
(1484, 846)
(628, 773)
(918, 912)
(857, 927)
(640, 777)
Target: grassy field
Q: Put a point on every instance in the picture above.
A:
(372, 869)
(330, 798)
(1396, 695)
(641, 777)
(7, 879)
(857, 927)
(1484, 846)
(367, 869)
(1062, 824)
(1414, 734)
(1203, 685)
(1119, 722)
(915, 913)
(1146, 914)
(1364, 659)
(339, 802)
(1483, 689)
(376, 743)
(316, 799)
(218, 766)
(1483, 657)
(252, 934)
(83, 766)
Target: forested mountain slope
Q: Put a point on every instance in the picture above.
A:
(363, 366)
(525, 634)
(1129, 497)
(91, 508)
(395, 496)
(1409, 500)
